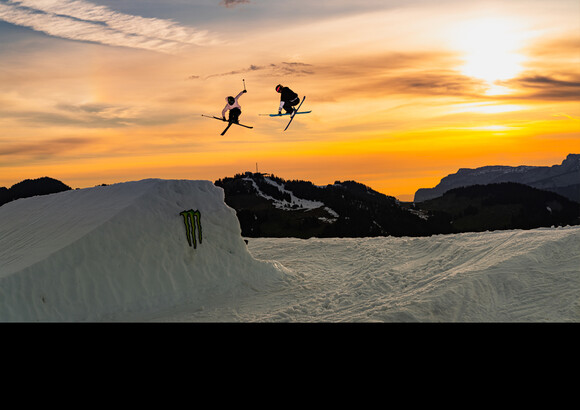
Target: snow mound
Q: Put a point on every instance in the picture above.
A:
(118, 252)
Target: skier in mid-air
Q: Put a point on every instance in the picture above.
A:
(234, 108)
(288, 99)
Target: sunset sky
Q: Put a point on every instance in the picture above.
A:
(402, 92)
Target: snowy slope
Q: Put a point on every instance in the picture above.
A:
(117, 252)
(501, 276)
(295, 202)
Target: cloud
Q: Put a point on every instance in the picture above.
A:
(564, 49)
(84, 21)
(233, 3)
(92, 116)
(433, 83)
(280, 69)
(235, 72)
(416, 74)
(547, 88)
(85, 120)
(45, 148)
(292, 69)
(541, 81)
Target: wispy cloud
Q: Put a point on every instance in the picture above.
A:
(414, 73)
(91, 116)
(233, 3)
(84, 21)
(283, 68)
(547, 87)
(43, 149)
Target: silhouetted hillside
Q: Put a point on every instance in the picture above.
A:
(268, 206)
(502, 206)
(31, 187)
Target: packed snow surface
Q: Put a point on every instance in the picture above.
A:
(120, 253)
(507, 276)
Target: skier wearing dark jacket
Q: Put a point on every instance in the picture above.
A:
(288, 99)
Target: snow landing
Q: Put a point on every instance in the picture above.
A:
(118, 252)
(500, 276)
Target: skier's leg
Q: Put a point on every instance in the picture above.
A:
(234, 115)
(289, 105)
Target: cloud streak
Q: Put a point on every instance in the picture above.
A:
(45, 148)
(233, 3)
(92, 116)
(81, 20)
(421, 74)
(283, 68)
(548, 88)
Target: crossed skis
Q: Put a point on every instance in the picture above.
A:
(229, 123)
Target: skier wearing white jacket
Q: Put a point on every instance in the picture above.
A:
(233, 106)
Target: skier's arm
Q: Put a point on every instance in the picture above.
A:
(281, 106)
(224, 111)
(240, 94)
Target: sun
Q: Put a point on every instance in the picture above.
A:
(490, 48)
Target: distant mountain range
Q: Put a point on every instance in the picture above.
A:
(268, 206)
(563, 179)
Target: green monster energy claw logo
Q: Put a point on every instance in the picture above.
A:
(192, 221)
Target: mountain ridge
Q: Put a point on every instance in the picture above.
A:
(563, 179)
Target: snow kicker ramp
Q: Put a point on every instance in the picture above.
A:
(121, 251)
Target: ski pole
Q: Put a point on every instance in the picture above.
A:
(244, 81)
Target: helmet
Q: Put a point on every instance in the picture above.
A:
(231, 100)
(278, 88)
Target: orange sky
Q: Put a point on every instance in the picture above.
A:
(402, 93)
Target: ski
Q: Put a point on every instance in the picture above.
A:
(234, 123)
(229, 125)
(227, 128)
(282, 115)
(294, 113)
